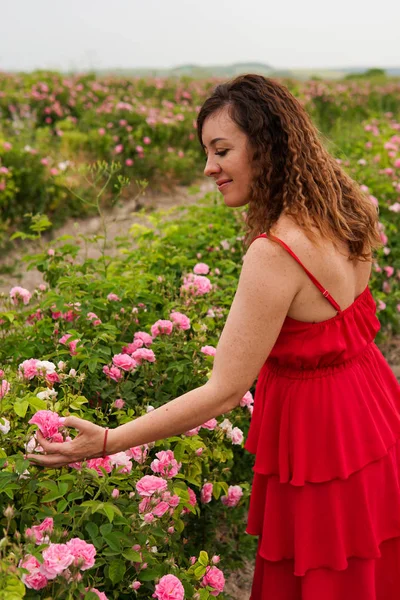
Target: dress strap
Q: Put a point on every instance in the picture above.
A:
(324, 292)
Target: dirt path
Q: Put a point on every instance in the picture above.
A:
(118, 220)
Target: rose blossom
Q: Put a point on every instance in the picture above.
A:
(101, 595)
(149, 484)
(143, 337)
(124, 361)
(34, 580)
(181, 320)
(235, 492)
(38, 531)
(4, 425)
(99, 463)
(161, 326)
(119, 403)
(214, 578)
(201, 269)
(142, 354)
(113, 298)
(236, 435)
(209, 350)
(247, 399)
(193, 431)
(160, 509)
(138, 453)
(113, 372)
(206, 493)
(4, 388)
(210, 424)
(165, 464)
(57, 558)
(28, 368)
(196, 285)
(169, 588)
(121, 459)
(48, 422)
(82, 552)
(18, 293)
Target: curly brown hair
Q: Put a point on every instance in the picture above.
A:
(294, 174)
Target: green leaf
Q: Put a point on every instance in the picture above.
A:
(36, 403)
(62, 505)
(150, 574)
(199, 572)
(113, 541)
(92, 529)
(132, 555)
(204, 594)
(20, 407)
(203, 558)
(116, 571)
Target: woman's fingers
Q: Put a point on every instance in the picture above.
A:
(53, 447)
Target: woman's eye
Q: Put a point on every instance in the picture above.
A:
(221, 153)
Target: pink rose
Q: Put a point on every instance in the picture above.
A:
(210, 424)
(388, 270)
(181, 320)
(236, 435)
(112, 373)
(113, 298)
(149, 484)
(196, 285)
(209, 350)
(194, 431)
(4, 388)
(48, 422)
(124, 362)
(136, 585)
(247, 399)
(206, 493)
(34, 580)
(192, 497)
(38, 531)
(28, 368)
(131, 348)
(19, 294)
(138, 453)
(142, 354)
(144, 337)
(98, 463)
(160, 509)
(115, 493)
(169, 588)
(161, 326)
(101, 595)
(214, 578)
(57, 558)
(165, 464)
(201, 269)
(119, 403)
(82, 552)
(235, 492)
(121, 459)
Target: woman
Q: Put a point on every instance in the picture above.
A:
(326, 492)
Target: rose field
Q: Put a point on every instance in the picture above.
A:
(112, 338)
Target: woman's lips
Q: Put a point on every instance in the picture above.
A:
(222, 186)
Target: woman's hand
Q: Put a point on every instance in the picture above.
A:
(87, 444)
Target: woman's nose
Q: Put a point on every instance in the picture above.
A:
(211, 166)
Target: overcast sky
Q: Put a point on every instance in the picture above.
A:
(84, 34)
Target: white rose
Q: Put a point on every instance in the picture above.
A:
(47, 394)
(4, 425)
(48, 366)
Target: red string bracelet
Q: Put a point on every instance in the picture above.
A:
(105, 442)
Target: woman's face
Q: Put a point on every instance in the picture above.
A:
(228, 158)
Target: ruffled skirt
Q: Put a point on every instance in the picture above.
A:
(325, 500)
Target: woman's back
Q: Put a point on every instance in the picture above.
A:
(344, 279)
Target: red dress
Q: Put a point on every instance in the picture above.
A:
(325, 430)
